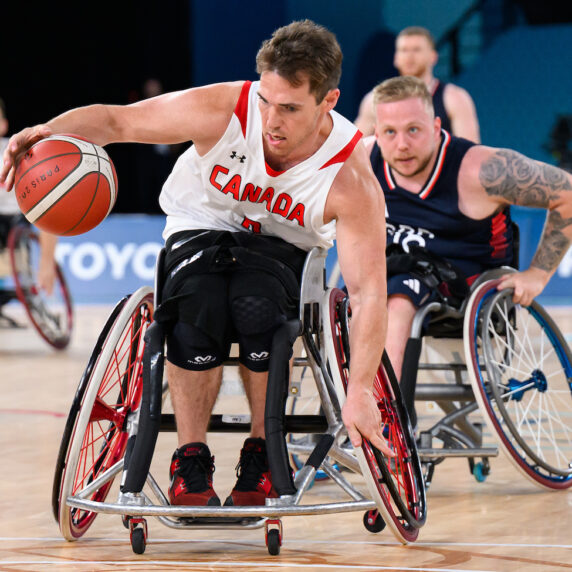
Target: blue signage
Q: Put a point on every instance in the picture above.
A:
(119, 255)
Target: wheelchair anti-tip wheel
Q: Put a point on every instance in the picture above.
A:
(50, 314)
(102, 414)
(396, 484)
(520, 368)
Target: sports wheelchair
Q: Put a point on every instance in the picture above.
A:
(51, 315)
(516, 372)
(117, 414)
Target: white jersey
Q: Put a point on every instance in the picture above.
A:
(8, 202)
(232, 188)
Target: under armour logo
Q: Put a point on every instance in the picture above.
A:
(241, 158)
(255, 356)
(413, 284)
(200, 360)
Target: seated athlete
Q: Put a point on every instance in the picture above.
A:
(274, 171)
(452, 197)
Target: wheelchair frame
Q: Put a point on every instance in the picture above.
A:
(116, 416)
(51, 316)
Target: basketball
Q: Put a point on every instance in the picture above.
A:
(65, 185)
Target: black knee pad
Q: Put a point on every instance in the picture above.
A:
(190, 348)
(255, 315)
(255, 319)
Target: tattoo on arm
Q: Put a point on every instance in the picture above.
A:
(525, 182)
(553, 243)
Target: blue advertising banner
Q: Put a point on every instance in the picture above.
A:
(118, 256)
(113, 259)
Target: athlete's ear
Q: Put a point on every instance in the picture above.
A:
(437, 127)
(435, 58)
(330, 100)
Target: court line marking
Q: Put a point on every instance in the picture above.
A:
(32, 412)
(226, 564)
(287, 541)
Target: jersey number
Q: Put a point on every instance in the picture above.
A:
(252, 225)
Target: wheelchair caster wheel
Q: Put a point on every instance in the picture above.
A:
(138, 534)
(373, 522)
(480, 472)
(273, 536)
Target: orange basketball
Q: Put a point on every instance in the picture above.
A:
(65, 185)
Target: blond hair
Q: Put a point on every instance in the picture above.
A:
(400, 88)
(418, 31)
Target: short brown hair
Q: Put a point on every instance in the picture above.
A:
(303, 49)
(400, 88)
(418, 31)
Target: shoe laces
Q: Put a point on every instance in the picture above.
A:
(249, 470)
(196, 471)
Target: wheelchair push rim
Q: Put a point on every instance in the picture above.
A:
(396, 484)
(107, 414)
(521, 371)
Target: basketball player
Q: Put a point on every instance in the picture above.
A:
(452, 197)
(10, 215)
(274, 171)
(415, 55)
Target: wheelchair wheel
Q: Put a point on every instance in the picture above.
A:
(520, 368)
(395, 484)
(107, 400)
(51, 315)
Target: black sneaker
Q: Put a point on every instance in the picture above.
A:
(254, 484)
(191, 473)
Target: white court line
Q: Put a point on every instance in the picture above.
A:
(287, 541)
(226, 564)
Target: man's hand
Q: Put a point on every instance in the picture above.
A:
(527, 285)
(47, 275)
(17, 146)
(362, 418)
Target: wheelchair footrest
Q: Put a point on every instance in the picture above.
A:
(437, 453)
(216, 521)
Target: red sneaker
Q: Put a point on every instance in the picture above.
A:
(191, 473)
(254, 484)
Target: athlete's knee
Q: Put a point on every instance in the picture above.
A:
(254, 315)
(190, 348)
(256, 319)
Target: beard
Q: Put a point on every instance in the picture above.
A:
(422, 165)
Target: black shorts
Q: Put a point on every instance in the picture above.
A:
(214, 279)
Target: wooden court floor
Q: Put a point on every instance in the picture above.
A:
(503, 524)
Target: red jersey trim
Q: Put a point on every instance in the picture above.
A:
(437, 168)
(388, 177)
(425, 192)
(498, 242)
(241, 108)
(342, 155)
(270, 171)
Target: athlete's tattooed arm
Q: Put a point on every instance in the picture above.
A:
(525, 182)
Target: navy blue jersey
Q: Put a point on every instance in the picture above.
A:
(439, 106)
(432, 219)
